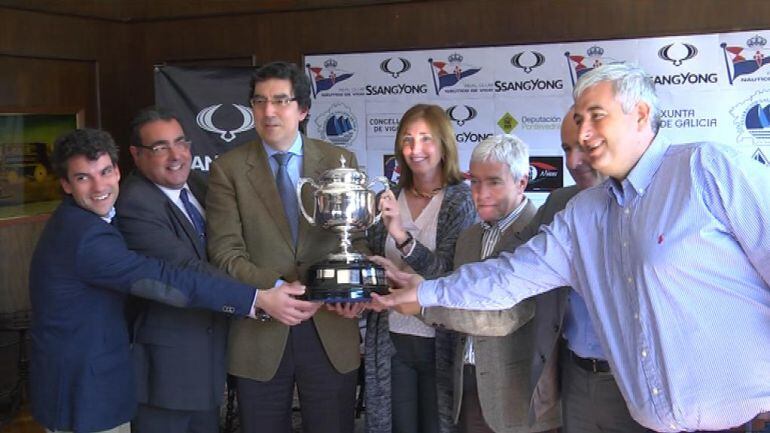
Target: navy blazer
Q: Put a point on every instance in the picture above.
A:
(81, 377)
(179, 353)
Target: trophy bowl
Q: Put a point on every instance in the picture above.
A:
(345, 204)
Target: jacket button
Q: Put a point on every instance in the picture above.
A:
(542, 358)
(210, 330)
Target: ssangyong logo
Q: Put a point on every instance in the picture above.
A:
(677, 53)
(395, 67)
(338, 125)
(205, 120)
(460, 114)
(539, 60)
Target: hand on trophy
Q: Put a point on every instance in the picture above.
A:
(391, 216)
(280, 303)
(403, 291)
(349, 310)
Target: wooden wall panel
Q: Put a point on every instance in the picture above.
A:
(432, 24)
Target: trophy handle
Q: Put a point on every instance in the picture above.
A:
(384, 181)
(303, 181)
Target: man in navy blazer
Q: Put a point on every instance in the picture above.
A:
(81, 272)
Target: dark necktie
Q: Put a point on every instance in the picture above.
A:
(195, 216)
(287, 193)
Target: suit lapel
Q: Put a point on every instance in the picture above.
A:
(314, 163)
(507, 239)
(261, 178)
(179, 218)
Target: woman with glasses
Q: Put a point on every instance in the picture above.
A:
(408, 379)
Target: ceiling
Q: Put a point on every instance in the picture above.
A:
(150, 10)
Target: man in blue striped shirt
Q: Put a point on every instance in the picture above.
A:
(671, 255)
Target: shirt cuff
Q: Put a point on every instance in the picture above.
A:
(253, 311)
(426, 293)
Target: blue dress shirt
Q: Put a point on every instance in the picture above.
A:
(579, 330)
(674, 265)
(294, 166)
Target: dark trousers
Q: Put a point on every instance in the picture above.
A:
(592, 402)
(151, 419)
(471, 417)
(326, 397)
(413, 385)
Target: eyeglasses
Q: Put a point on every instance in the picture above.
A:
(280, 102)
(164, 148)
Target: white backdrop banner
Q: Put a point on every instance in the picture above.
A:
(713, 87)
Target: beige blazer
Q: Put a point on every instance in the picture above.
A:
(503, 343)
(249, 237)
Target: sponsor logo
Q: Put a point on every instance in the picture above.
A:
(741, 61)
(202, 162)
(685, 118)
(338, 125)
(545, 173)
(676, 55)
(579, 65)
(325, 77)
(752, 119)
(760, 157)
(529, 122)
(395, 67)
(205, 120)
(527, 68)
(686, 78)
(450, 72)
(461, 114)
(527, 85)
(507, 123)
(396, 89)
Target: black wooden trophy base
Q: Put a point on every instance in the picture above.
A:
(337, 281)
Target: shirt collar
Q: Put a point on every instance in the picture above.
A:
(110, 215)
(296, 147)
(641, 175)
(506, 221)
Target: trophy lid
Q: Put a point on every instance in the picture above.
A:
(343, 175)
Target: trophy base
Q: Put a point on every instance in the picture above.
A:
(333, 281)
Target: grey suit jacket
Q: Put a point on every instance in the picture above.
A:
(249, 237)
(548, 321)
(179, 354)
(503, 343)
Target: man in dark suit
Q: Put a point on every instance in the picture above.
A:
(257, 236)
(179, 354)
(574, 367)
(491, 365)
(81, 375)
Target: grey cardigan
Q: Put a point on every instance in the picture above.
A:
(456, 214)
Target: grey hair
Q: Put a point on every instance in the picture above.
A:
(631, 85)
(504, 148)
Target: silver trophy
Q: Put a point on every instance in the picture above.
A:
(344, 204)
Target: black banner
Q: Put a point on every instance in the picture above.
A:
(213, 106)
(546, 173)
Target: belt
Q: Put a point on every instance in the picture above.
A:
(590, 364)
